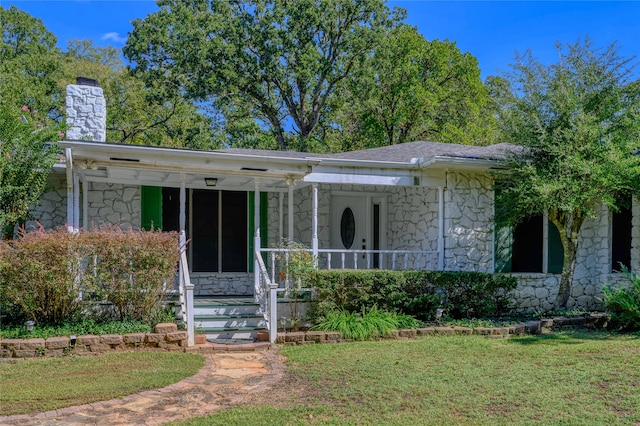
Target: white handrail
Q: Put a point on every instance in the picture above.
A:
(186, 291)
(267, 296)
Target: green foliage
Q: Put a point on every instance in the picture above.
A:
(77, 328)
(413, 89)
(43, 272)
(624, 303)
(26, 157)
(370, 323)
(578, 123)
(131, 270)
(38, 276)
(278, 60)
(416, 293)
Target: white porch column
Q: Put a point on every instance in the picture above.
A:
(440, 228)
(280, 216)
(314, 223)
(256, 238)
(290, 213)
(182, 217)
(76, 202)
(85, 204)
(69, 164)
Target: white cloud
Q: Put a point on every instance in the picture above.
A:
(114, 37)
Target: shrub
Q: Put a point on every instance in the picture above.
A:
(43, 273)
(368, 324)
(39, 276)
(131, 270)
(624, 303)
(417, 293)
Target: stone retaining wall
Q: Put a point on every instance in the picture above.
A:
(166, 338)
(593, 321)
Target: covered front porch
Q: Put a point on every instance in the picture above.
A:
(355, 213)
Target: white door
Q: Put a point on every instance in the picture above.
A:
(350, 230)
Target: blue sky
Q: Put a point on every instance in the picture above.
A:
(491, 30)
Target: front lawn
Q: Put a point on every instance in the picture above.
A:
(561, 378)
(50, 383)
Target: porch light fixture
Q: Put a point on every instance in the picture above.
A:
(211, 181)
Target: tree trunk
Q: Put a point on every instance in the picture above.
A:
(568, 224)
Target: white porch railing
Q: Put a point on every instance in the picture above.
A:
(185, 289)
(266, 294)
(271, 279)
(277, 258)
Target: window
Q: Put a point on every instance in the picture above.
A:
(522, 248)
(621, 239)
(219, 224)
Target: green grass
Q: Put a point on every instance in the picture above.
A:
(86, 326)
(567, 378)
(52, 383)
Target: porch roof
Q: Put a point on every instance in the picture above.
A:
(239, 168)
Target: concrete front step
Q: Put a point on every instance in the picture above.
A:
(232, 334)
(225, 322)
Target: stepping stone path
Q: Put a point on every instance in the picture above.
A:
(226, 379)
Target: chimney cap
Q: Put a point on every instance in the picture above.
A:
(84, 81)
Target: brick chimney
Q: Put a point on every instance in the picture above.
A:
(86, 111)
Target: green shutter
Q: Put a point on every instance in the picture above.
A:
(264, 223)
(556, 252)
(151, 207)
(503, 242)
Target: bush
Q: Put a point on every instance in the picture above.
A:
(416, 293)
(131, 269)
(624, 303)
(43, 273)
(39, 276)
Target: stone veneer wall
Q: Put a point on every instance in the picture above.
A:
(111, 203)
(86, 113)
(593, 268)
(468, 221)
(51, 210)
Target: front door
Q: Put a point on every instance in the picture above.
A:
(352, 228)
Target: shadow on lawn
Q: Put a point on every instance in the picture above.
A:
(565, 337)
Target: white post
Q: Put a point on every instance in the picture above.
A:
(314, 224)
(188, 290)
(69, 164)
(440, 228)
(256, 238)
(280, 216)
(76, 202)
(182, 218)
(85, 204)
(290, 213)
(273, 312)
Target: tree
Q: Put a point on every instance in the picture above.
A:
(412, 89)
(30, 64)
(138, 114)
(280, 60)
(26, 157)
(578, 123)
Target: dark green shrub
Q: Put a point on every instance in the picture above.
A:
(417, 293)
(624, 303)
(39, 276)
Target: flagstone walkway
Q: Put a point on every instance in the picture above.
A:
(226, 379)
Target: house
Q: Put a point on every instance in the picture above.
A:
(414, 205)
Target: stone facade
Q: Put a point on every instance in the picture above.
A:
(113, 204)
(412, 224)
(86, 113)
(51, 210)
(468, 223)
